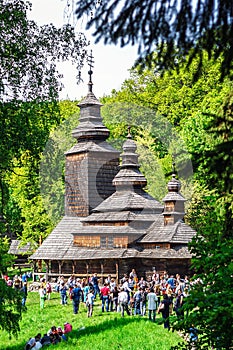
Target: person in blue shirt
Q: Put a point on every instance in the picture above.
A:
(24, 277)
(76, 297)
(95, 283)
(63, 293)
(172, 282)
(137, 300)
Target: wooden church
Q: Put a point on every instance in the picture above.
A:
(111, 224)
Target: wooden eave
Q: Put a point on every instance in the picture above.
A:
(160, 233)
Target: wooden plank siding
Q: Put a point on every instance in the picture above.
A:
(101, 241)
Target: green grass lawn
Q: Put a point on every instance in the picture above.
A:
(107, 331)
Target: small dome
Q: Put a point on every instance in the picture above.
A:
(129, 146)
(129, 174)
(174, 185)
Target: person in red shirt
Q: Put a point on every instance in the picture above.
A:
(67, 328)
(105, 294)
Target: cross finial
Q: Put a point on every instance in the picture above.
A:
(173, 169)
(129, 136)
(90, 61)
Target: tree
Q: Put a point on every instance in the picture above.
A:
(10, 299)
(29, 53)
(28, 58)
(10, 308)
(5, 258)
(29, 86)
(52, 183)
(211, 299)
(201, 113)
(172, 28)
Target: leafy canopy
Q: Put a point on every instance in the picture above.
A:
(29, 53)
(29, 86)
(164, 26)
(10, 299)
(201, 114)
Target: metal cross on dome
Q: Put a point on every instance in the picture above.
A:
(129, 136)
(90, 62)
(174, 172)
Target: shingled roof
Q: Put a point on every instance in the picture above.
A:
(177, 233)
(60, 240)
(59, 245)
(16, 248)
(130, 211)
(91, 146)
(130, 202)
(118, 216)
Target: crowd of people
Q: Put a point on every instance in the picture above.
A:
(18, 280)
(20, 283)
(53, 336)
(160, 293)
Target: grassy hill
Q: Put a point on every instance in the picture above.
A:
(107, 331)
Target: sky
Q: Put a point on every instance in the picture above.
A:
(112, 63)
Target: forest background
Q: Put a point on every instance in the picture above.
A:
(173, 116)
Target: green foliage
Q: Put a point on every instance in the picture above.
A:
(52, 164)
(201, 114)
(156, 138)
(31, 213)
(29, 86)
(29, 54)
(25, 190)
(171, 28)
(211, 300)
(10, 310)
(26, 129)
(5, 258)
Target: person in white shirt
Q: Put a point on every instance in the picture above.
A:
(90, 303)
(42, 293)
(126, 288)
(152, 304)
(123, 302)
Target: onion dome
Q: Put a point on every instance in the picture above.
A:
(90, 122)
(173, 202)
(129, 174)
(174, 185)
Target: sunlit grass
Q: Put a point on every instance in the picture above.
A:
(102, 331)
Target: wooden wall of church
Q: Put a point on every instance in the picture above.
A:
(88, 180)
(143, 267)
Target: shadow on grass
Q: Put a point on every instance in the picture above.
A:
(96, 328)
(107, 325)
